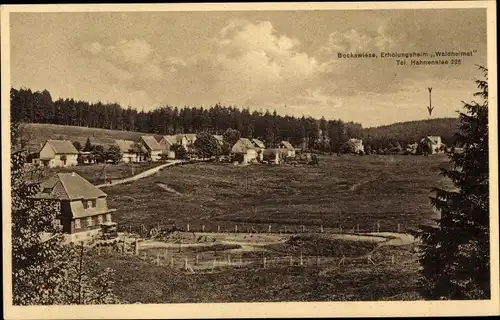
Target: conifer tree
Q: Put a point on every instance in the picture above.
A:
(455, 255)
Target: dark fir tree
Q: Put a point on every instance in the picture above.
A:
(455, 253)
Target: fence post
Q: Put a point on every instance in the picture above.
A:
(136, 247)
(264, 262)
(197, 261)
(157, 259)
(285, 229)
(187, 227)
(399, 227)
(213, 266)
(340, 227)
(165, 254)
(321, 228)
(269, 228)
(378, 227)
(236, 229)
(301, 259)
(186, 263)
(202, 228)
(291, 260)
(218, 228)
(357, 227)
(172, 261)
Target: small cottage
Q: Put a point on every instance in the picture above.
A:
(58, 153)
(435, 143)
(181, 140)
(166, 143)
(131, 151)
(219, 138)
(244, 151)
(83, 208)
(259, 147)
(286, 149)
(152, 146)
(271, 155)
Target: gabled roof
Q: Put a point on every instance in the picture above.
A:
(258, 143)
(242, 145)
(179, 137)
(151, 143)
(125, 145)
(68, 186)
(434, 139)
(219, 137)
(168, 138)
(287, 145)
(190, 136)
(62, 146)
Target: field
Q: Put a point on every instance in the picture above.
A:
(95, 172)
(244, 262)
(341, 192)
(38, 133)
(140, 279)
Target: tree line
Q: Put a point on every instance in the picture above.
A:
(306, 132)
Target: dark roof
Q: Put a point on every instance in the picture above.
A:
(258, 143)
(68, 186)
(287, 145)
(151, 143)
(169, 139)
(62, 146)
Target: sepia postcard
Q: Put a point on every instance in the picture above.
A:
(255, 160)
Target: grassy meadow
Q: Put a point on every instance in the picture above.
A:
(343, 191)
(38, 133)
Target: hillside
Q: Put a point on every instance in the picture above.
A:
(38, 133)
(411, 131)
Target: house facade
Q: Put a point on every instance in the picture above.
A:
(244, 151)
(181, 140)
(152, 146)
(286, 149)
(83, 208)
(357, 145)
(58, 153)
(166, 142)
(131, 152)
(271, 155)
(259, 147)
(436, 144)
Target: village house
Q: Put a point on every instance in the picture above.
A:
(181, 140)
(83, 208)
(286, 149)
(131, 151)
(191, 139)
(357, 145)
(58, 153)
(434, 142)
(271, 155)
(259, 147)
(152, 146)
(219, 138)
(244, 151)
(166, 143)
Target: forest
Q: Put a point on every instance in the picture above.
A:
(305, 132)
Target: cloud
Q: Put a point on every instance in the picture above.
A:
(135, 51)
(357, 41)
(125, 60)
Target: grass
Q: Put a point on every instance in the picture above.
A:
(341, 191)
(38, 133)
(94, 172)
(141, 281)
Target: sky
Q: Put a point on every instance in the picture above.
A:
(277, 60)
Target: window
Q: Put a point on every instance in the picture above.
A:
(100, 219)
(94, 203)
(89, 204)
(89, 222)
(108, 217)
(85, 204)
(77, 224)
(47, 190)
